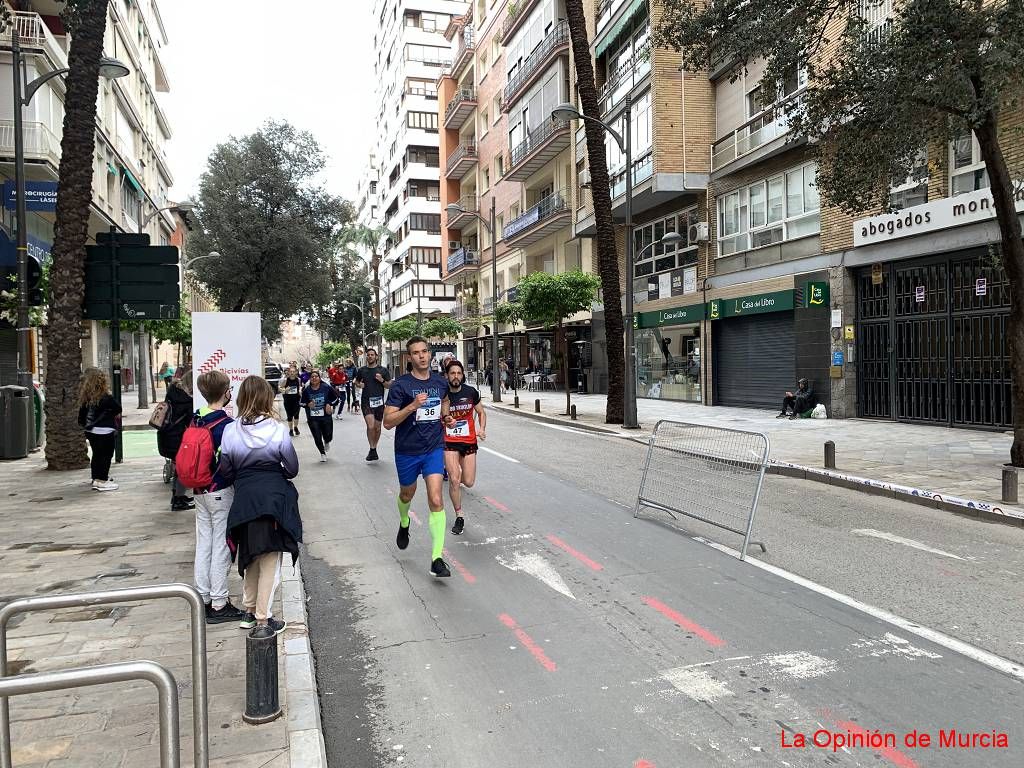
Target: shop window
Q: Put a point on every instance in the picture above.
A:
(967, 169)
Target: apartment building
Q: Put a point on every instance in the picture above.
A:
(131, 173)
(410, 50)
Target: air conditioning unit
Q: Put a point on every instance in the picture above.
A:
(698, 233)
(584, 178)
(454, 245)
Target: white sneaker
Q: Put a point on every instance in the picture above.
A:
(323, 457)
(104, 485)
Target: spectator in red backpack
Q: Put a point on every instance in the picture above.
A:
(196, 464)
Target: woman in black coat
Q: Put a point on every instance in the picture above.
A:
(168, 439)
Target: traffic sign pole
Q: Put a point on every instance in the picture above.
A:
(115, 340)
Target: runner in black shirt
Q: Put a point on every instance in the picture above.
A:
(374, 379)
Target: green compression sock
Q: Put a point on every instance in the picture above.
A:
(403, 511)
(437, 526)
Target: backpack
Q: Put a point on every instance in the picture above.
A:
(161, 415)
(195, 458)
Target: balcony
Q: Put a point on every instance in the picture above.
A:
(517, 13)
(470, 206)
(542, 144)
(551, 47)
(548, 216)
(623, 80)
(41, 144)
(463, 257)
(459, 108)
(462, 161)
(760, 130)
(34, 35)
(464, 56)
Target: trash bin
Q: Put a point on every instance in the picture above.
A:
(15, 422)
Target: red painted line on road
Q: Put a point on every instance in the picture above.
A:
(643, 764)
(528, 643)
(496, 504)
(706, 635)
(412, 514)
(578, 555)
(891, 754)
(463, 571)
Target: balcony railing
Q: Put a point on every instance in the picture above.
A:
(535, 138)
(557, 38)
(643, 169)
(759, 130)
(518, 10)
(627, 76)
(40, 142)
(33, 33)
(552, 205)
(461, 105)
(466, 153)
(469, 206)
(463, 257)
(467, 47)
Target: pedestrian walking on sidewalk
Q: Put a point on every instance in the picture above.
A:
(413, 410)
(168, 437)
(320, 399)
(460, 411)
(291, 392)
(350, 386)
(374, 379)
(213, 501)
(258, 457)
(100, 415)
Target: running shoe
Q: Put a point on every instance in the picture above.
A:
(277, 626)
(223, 615)
(459, 525)
(372, 455)
(402, 540)
(248, 621)
(104, 485)
(323, 458)
(439, 568)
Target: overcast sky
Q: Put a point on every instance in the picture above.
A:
(232, 64)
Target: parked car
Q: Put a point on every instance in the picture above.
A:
(273, 372)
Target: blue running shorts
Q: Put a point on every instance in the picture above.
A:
(411, 467)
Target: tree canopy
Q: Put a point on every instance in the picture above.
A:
(339, 318)
(443, 327)
(398, 330)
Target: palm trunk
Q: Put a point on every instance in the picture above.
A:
(65, 444)
(607, 252)
(1013, 264)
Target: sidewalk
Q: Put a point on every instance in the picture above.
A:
(63, 537)
(951, 468)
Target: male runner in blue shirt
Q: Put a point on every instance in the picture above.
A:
(413, 410)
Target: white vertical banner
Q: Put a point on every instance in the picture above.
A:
(229, 341)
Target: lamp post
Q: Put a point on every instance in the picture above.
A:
(454, 209)
(23, 93)
(568, 112)
(362, 317)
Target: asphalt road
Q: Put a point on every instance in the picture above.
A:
(572, 634)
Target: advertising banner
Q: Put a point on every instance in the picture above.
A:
(229, 341)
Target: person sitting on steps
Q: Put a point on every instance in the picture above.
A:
(801, 401)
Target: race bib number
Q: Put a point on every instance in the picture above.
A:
(292, 391)
(430, 410)
(316, 411)
(459, 429)
(376, 402)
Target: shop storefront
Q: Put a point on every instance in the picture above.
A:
(668, 348)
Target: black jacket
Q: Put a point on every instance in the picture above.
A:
(168, 439)
(102, 414)
(805, 400)
(265, 492)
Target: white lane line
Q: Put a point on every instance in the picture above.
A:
(893, 645)
(588, 432)
(536, 566)
(900, 540)
(991, 660)
(499, 455)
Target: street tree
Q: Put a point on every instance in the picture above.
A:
(551, 300)
(177, 332)
(261, 207)
(364, 241)
(86, 22)
(340, 319)
(444, 327)
(398, 330)
(331, 351)
(880, 93)
(607, 252)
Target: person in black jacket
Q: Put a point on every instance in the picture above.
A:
(100, 416)
(168, 438)
(801, 401)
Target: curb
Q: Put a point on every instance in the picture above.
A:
(967, 507)
(305, 730)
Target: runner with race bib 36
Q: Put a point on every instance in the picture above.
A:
(459, 414)
(374, 379)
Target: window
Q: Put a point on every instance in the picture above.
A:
(650, 257)
(783, 207)
(415, 86)
(425, 222)
(913, 190)
(433, 55)
(131, 205)
(499, 223)
(428, 156)
(426, 121)
(967, 169)
(496, 108)
(485, 179)
(499, 167)
(424, 256)
(485, 123)
(877, 15)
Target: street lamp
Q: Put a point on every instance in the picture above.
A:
(23, 93)
(454, 209)
(568, 112)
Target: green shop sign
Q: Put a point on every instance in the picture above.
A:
(779, 301)
(674, 316)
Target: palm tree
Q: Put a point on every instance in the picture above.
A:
(86, 21)
(363, 237)
(607, 253)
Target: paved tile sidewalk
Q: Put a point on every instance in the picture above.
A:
(950, 462)
(61, 536)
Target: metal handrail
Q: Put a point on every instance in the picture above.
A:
(534, 139)
(551, 205)
(739, 141)
(167, 689)
(461, 96)
(467, 150)
(200, 726)
(516, 13)
(556, 38)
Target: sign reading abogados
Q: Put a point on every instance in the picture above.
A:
(674, 316)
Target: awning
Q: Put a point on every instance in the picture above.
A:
(111, 169)
(132, 180)
(609, 35)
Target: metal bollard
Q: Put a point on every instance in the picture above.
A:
(572, 413)
(830, 455)
(517, 401)
(536, 406)
(1009, 485)
(261, 695)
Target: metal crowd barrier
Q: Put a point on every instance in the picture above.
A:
(711, 474)
(200, 726)
(167, 690)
